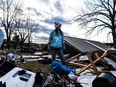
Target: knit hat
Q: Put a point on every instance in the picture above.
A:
(57, 24)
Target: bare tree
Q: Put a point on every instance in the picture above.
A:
(101, 16)
(22, 29)
(10, 10)
(25, 27)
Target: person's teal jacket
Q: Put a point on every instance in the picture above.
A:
(56, 41)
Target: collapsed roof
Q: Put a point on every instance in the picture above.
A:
(84, 45)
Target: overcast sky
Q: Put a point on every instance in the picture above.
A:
(46, 12)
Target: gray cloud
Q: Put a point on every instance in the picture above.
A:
(58, 6)
(44, 1)
(34, 10)
(58, 19)
(44, 29)
(48, 21)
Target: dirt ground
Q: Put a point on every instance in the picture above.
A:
(34, 65)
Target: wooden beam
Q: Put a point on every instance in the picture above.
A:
(93, 65)
(103, 71)
(99, 58)
(103, 62)
(106, 64)
(70, 59)
(77, 64)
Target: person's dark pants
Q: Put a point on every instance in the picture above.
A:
(60, 53)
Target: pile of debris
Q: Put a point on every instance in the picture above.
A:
(92, 60)
(92, 57)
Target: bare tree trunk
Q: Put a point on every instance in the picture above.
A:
(7, 37)
(21, 45)
(8, 43)
(114, 39)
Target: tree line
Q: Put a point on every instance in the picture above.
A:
(100, 13)
(16, 22)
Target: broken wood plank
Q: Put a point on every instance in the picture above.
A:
(99, 58)
(93, 65)
(109, 66)
(74, 57)
(75, 64)
(103, 71)
(103, 62)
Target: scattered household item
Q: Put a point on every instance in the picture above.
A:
(105, 80)
(18, 77)
(39, 77)
(23, 59)
(1, 37)
(10, 57)
(5, 67)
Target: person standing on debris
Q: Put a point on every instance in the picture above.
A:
(56, 43)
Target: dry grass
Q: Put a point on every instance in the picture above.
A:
(34, 65)
(30, 65)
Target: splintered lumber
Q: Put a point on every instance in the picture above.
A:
(106, 63)
(103, 62)
(98, 59)
(77, 64)
(74, 64)
(93, 65)
(70, 59)
(103, 71)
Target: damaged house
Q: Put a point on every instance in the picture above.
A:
(91, 56)
(94, 61)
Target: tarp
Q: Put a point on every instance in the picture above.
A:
(1, 37)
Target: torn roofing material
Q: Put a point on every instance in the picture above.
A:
(85, 46)
(98, 45)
